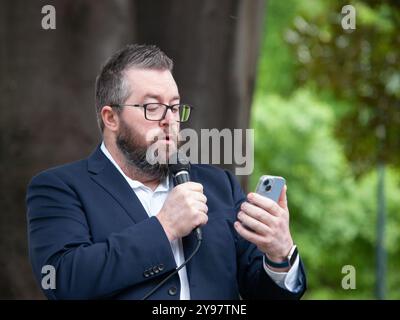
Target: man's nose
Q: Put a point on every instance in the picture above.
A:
(169, 117)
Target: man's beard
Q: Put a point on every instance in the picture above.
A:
(135, 154)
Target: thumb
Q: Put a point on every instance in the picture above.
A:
(282, 202)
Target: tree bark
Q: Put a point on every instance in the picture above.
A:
(215, 46)
(47, 112)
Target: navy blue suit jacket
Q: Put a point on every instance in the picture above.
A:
(86, 221)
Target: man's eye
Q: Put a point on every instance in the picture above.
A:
(152, 107)
(175, 109)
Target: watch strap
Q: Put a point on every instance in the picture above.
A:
(291, 258)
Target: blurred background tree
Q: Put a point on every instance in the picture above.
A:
(360, 66)
(331, 100)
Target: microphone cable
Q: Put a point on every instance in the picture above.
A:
(179, 166)
(199, 240)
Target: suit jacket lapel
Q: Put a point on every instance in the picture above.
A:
(104, 173)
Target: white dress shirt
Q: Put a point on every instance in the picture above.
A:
(153, 201)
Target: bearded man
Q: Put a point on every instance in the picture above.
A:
(113, 226)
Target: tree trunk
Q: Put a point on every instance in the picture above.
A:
(47, 112)
(215, 46)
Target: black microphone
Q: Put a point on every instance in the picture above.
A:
(179, 167)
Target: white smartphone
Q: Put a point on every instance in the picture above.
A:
(270, 186)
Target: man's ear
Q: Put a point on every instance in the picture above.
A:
(110, 118)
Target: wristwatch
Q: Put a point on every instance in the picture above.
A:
(290, 259)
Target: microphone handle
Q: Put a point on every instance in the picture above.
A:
(182, 177)
(199, 234)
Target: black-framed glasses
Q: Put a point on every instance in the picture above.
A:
(157, 111)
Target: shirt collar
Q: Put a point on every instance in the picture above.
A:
(135, 184)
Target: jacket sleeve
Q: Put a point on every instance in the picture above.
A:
(59, 236)
(254, 282)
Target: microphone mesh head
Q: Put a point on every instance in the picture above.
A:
(178, 162)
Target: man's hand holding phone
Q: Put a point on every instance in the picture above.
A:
(265, 223)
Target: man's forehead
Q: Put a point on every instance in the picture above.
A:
(152, 82)
(141, 74)
(156, 96)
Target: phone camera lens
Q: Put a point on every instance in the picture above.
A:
(266, 182)
(268, 188)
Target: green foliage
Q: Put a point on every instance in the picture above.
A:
(327, 137)
(361, 67)
(276, 69)
(332, 214)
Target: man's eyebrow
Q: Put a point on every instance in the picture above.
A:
(157, 97)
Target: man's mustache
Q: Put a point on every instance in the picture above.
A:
(174, 136)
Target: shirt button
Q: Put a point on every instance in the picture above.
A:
(172, 291)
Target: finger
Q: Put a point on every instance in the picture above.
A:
(193, 198)
(196, 205)
(198, 196)
(265, 203)
(247, 234)
(202, 208)
(282, 202)
(203, 219)
(258, 213)
(255, 225)
(193, 186)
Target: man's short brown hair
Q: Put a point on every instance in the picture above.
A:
(111, 87)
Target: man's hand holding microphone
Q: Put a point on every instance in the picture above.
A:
(184, 209)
